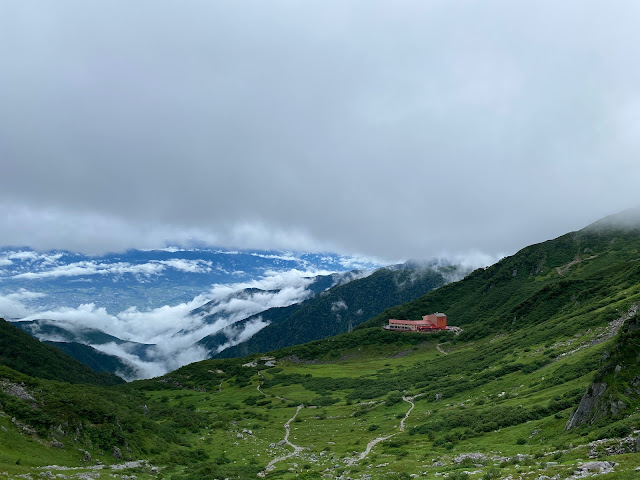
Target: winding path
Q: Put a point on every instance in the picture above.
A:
(440, 349)
(266, 394)
(296, 448)
(367, 451)
(410, 401)
(375, 441)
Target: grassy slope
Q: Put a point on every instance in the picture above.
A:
(94, 359)
(588, 275)
(23, 353)
(533, 343)
(334, 311)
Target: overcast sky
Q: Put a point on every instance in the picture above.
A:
(396, 129)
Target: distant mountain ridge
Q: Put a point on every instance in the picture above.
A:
(51, 331)
(107, 352)
(148, 278)
(25, 354)
(543, 382)
(336, 310)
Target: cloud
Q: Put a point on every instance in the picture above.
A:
(393, 130)
(154, 267)
(190, 266)
(339, 305)
(469, 260)
(15, 305)
(93, 268)
(239, 335)
(172, 329)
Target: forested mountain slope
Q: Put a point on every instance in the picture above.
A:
(582, 279)
(338, 309)
(544, 329)
(21, 352)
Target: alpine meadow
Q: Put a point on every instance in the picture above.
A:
(319, 240)
(542, 382)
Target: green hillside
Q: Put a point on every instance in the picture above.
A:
(94, 359)
(337, 310)
(543, 383)
(23, 353)
(581, 280)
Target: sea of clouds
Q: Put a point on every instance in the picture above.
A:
(174, 330)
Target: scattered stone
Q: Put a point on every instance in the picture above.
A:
(17, 390)
(86, 456)
(590, 468)
(117, 453)
(473, 456)
(56, 444)
(88, 476)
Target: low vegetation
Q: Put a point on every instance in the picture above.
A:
(541, 330)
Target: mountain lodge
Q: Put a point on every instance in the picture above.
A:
(429, 323)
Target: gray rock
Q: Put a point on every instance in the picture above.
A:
(599, 467)
(16, 390)
(587, 404)
(117, 453)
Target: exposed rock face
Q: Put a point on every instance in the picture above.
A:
(618, 378)
(593, 468)
(17, 390)
(117, 453)
(590, 400)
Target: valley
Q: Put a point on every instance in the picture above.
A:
(543, 382)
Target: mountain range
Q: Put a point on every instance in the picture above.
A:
(331, 304)
(145, 279)
(542, 382)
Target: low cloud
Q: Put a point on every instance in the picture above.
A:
(154, 267)
(239, 335)
(173, 330)
(190, 266)
(15, 305)
(339, 305)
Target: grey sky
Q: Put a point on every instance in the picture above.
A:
(396, 129)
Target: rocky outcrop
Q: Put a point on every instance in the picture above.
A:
(618, 379)
(117, 453)
(592, 398)
(590, 468)
(17, 390)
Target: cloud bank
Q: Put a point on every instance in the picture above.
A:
(155, 267)
(396, 130)
(172, 329)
